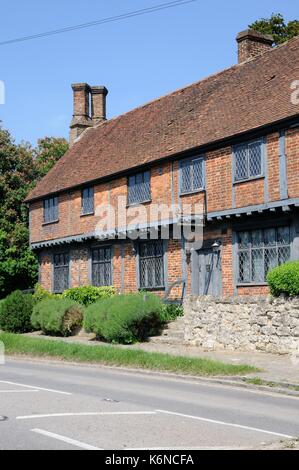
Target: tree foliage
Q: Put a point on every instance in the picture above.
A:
(48, 151)
(277, 26)
(21, 166)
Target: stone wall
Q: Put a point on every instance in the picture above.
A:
(243, 324)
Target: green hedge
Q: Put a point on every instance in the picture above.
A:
(15, 312)
(284, 279)
(87, 295)
(57, 316)
(125, 318)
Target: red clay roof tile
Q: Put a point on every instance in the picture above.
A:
(239, 99)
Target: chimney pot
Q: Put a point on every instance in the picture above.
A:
(252, 44)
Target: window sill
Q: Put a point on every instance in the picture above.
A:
(198, 191)
(151, 289)
(249, 179)
(253, 284)
(50, 223)
(88, 214)
(134, 204)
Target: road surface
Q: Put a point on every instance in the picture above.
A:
(46, 405)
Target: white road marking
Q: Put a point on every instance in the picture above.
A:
(36, 388)
(91, 413)
(240, 426)
(18, 391)
(68, 440)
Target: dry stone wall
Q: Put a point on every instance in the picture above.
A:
(243, 324)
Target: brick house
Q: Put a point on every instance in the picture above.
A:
(229, 144)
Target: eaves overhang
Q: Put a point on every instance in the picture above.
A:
(284, 206)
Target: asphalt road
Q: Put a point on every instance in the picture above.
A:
(60, 406)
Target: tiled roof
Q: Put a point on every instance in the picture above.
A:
(239, 99)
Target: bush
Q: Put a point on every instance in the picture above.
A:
(125, 318)
(40, 293)
(284, 279)
(169, 312)
(15, 312)
(87, 295)
(57, 316)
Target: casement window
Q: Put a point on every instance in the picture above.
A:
(261, 250)
(87, 201)
(60, 272)
(192, 175)
(248, 161)
(101, 260)
(139, 187)
(151, 264)
(50, 210)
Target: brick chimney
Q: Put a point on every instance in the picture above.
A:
(252, 44)
(81, 115)
(89, 108)
(98, 104)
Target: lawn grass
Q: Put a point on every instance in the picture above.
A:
(112, 355)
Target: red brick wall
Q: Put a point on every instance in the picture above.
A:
(292, 152)
(117, 279)
(253, 290)
(227, 264)
(45, 270)
(79, 267)
(130, 268)
(79, 270)
(219, 179)
(273, 166)
(79, 275)
(175, 267)
(250, 193)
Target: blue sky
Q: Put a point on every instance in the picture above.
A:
(137, 59)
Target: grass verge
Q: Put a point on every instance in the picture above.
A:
(111, 355)
(267, 383)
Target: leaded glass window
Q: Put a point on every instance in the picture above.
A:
(139, 187)
(60, 272)
(192, 175)
(248, 161)
(151, 264)
(101, 266)
(51, 209)
(87, 201)
(259, 251)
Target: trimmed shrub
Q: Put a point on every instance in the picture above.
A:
(169, 312)
(57, 316)
(87, 295)
(15, 312)
(125, 318)
(284, 279)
